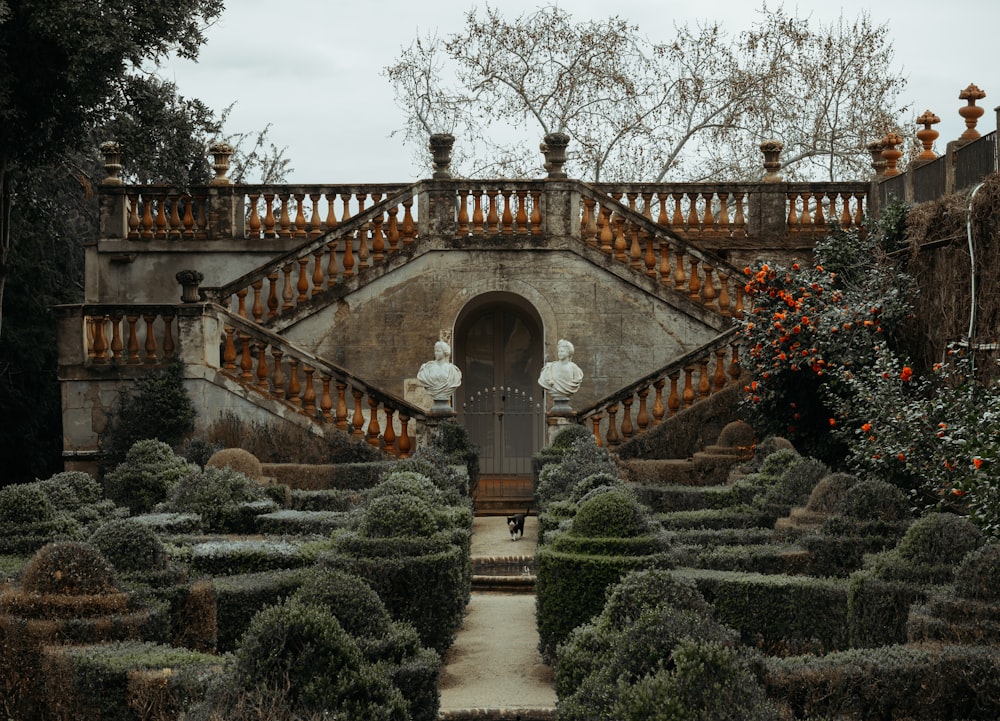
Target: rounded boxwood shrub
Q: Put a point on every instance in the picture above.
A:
(71, 489)
(215, 494)
(398, 515)
(583, 459)
(349, 598)
(301, 650)
(130, 546)
(978, 576)
(829, 492)
(592, 482)
(874, 500)
(614, 513)
(25, 503)
(939, 538)
(408, 483)
(641, 590)
(69, 568)
(149, 473)
(795, 483)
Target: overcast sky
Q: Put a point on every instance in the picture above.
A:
(313, 69)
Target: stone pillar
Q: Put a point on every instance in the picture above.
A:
(766, 215)
(560, 200)
(437, 213)
(113, 213)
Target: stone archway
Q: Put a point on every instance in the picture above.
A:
(498, 343)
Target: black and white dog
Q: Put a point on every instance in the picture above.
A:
(515, 524)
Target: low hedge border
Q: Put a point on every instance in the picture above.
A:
(877, 609)
(241, 596)
(767, 558)
(230, 557)
(334, 499)
(288, 522)
(673, 498)
(718, 519)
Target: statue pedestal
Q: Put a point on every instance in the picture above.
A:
(560, 406)
(442, 406)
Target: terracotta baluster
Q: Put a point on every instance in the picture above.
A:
(331, 267)
(286, 288)
(521, 219)
(719, 379)
(620, 244)
(392, 232)
(507, 219)
(704, 384)
(147, 218)
(723, 222)
(284, 220)
(693, 222)
(708, 294)
(493, 216)
(309, 394)
(116, 336)
(688, 395)
(662, 218)
(805, 219)
(263, 370)
(658, 408)
(724, 299)
(859, 209)
(302, 285)
(405, 444)
(707, 217)
(188, 221)
(674, 399)
(606, 234)
(133, 216)
(680, 278)
(694, 281)
(478, 222)
(649, 260)
(345, 199)
(970, 112)
(819, 219)
(331, 211)
(151, 358)
(738, 306)
(278, 378)
(325, 400)
(269, 216)
(241, 302)
(168, 335)
(229, 350)
(272, 294)
(358, 420)
(300, 216)
(739, 222)
(378, 240)
(588, 224)
(463, 214)
(536, 212)
(315, 217)
(348, 256)
(100, 342)
(678, 219)
(596, 421)
(246, 360)
(793, 218)
(258, 305)
(133, 340)
(363, 253)
(318, 276)
(389, 434)
(734, 366)
(845, 210)
(294, 388)
(175, 229)
(642, 417)
(161, 218)
(612, 436)
(340, 421)
(665, 276)
(373, 429)
(628, 430)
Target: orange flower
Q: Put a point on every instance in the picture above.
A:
(977, 462)
(906, 374)
(902, 457)
(866, 427)
(833, 422)
(958, 492)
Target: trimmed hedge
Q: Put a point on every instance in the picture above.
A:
(335, 499)
(718, 519)
(305, 523)
(877, 609)
(240, 597)
(778, 614)
(668, 499)
(227, 558)
(770, 558)
(892, 682)
(570, 589)
(123, 681)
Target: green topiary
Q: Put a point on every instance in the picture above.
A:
(69, 568)
(794, 484)
(71, 489)
(349, 598)
(130, 546)
(874, 500)
(641, 590)
(567, 437)
(147, 476)
(25, 503)
(596, 480)
(452, 440)
(940, 538)
(585, 458)
(829, 492)
(301, 651)
(779, 461)
(398, 515)
(614, 513)
(978, 576)
(408, 483)
(215, 494)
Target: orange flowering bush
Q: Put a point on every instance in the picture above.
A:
(808, 324)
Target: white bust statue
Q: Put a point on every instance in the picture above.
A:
(440, 376)
(561, 377)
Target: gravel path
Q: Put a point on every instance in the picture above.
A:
(494, 662)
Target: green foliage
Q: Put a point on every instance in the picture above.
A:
(156, 407)
(215, 494)
(939, 538)
(830, 491)
(148, 474)
(239, 598)
(452, 440)
(614, 513)
(129, 546)
(584, 459)
(594, 481)
(69, 490)
(25, 503)
(398, 515)
(68, 568)
(302, 648)
(978, 576)
(875, 501)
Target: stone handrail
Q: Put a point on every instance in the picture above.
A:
(129, 335)
(631, 238)
(266, 363)
(367, 239)
(716, 364)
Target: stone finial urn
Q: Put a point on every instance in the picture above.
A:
(220, 153)
(927, 135)
(878, 162)
(971, 112)
(440, 146)
(891, 153)
(553, 147)
(112, 162)
(189, 280)
(772, 160)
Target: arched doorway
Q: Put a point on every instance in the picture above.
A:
(498, 345)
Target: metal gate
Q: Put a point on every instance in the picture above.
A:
(506, 423)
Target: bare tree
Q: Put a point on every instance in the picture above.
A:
(694, 107)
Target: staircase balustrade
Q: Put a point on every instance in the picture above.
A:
(499, 208)
(678, 385)
(129, 335)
